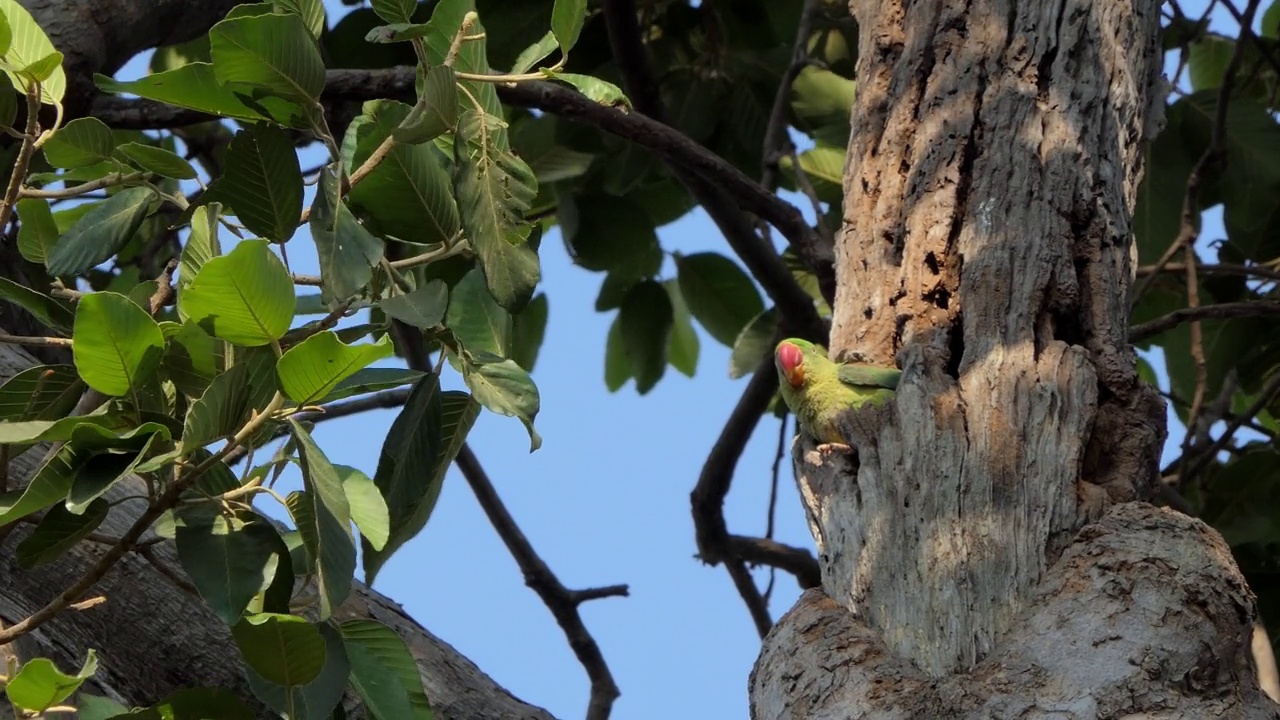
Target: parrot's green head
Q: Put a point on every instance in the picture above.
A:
(790, 359)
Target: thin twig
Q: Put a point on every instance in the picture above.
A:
(82, 188)
(1196, 350)
(1268, 393)
(35, 341)
(751, 596)
(19, 172)
(1217, 269)
(562, 602)
(1221, 311)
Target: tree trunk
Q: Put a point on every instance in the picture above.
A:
(993, 165)
(152, 637)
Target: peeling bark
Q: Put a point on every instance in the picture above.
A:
(993, 165)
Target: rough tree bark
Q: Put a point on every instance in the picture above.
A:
(993, 166)
(152, 637)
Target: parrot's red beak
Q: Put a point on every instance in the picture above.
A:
(791, 362)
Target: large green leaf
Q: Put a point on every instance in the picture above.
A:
(273, 53)
(527, 332)
(101, 232)
(47, 310)
(372, 380)
(346, 249)
(38, 232)
(195, 86)
(368, 508)
(318, 699)
(753, 343)
(612, 234)
(158, 160)
(617, 368)
(228, 560)
(683, 345)
(192, 359)
(422, 308)
(263, 182)
(331, 544)
(58, 531)
(645, 320)
(29, 45)
(202, 243)
(245, 297)
(423, 441)
(394, 11)
(436, 112)
(505, 388)
(408, 196)
(311, 369)
(384, 672)
(49, 485)
(494, 190)
(476, 319)
(188, 704)
(40, 685)
(104, 469)
(79, 143)
(719, 294)
(117, 344)
(44, 392)
(223, 408)
(567, 17)
(311, 12)
(284, 649)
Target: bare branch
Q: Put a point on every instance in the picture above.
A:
(562, 602)
(1268, 393)
(755, 601)
(765, 551)
(1257, 271)
(1221, 311)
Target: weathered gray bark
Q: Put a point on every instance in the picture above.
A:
(152, 637)
(993, 165)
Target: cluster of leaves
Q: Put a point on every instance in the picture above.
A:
(1236, 492)
(420, 219)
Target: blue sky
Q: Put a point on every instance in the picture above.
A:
(605, 501)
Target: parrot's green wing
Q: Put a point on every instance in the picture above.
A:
(870, 376)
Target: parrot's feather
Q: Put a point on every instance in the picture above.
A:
(870, 376)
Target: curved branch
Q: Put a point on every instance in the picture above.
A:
(1221, 311)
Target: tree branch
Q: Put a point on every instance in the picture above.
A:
(1221, 311)
(561, 601)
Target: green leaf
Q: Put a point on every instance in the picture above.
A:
(754, 343)
(372, 380)
(527, 332)
(567, 17)
(117, 344)
(193, 359)
(225, 406)
(273, 53)
(409, 195)
(33, 431)
(394, 11)
(103, 470)
(40, 685)
(44, 392)
(534, 140)
(613, 234)
(318, 699)
(535, 54)
(494, 191)
(245, 297)
(384, 672)
(101, 232)
(58, 531)
(437, 111)
(330, 542)
(284, 649)
(311, 369)
(719, 294)
(475, 319)
(156, 160)
(29, 45)
(93, 707)
(597, 90)
(81, 142)
(683, 345)
(192, 704)
(196, 87)
(617, 368)
(6, 34)
(1271, 21)
(263, 182)
(311, 12)
(228, 560)
(48, 311)
(645, 320)
(1208, 61)
(49, 485)
(38, 232)
(423, 441)
(821, 100)
(346, 249)
(368, 509)
(423, 308)
(505, 388)
(202, 243)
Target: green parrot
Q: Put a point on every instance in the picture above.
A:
(817, 390)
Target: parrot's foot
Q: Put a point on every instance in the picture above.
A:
(826, 449)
